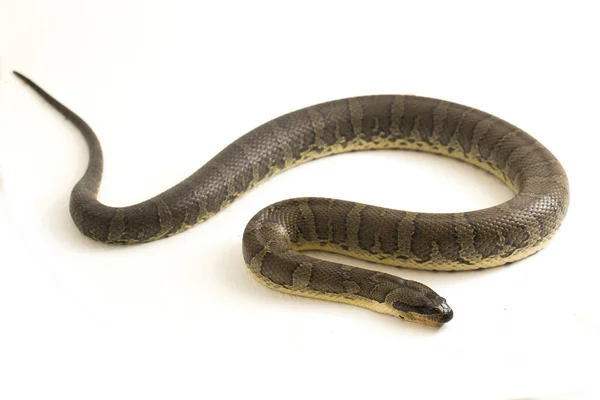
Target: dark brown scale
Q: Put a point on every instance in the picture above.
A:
(508, 147)
(337, 220)
(322, 219)
(487, 242)
(376, 115)
(492, 138)
(383, 232)
(423, 118)
(452, 120)
(466, 129)
(273, 238)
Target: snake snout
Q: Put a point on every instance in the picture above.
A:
(446, 313)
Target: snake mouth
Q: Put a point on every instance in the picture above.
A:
(436, 320)
(428, 315)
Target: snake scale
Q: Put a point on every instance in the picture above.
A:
(274, 239)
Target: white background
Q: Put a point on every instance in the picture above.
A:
(167, 85)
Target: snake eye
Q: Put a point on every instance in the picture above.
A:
(425, 310)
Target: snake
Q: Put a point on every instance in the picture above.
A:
(276, 238)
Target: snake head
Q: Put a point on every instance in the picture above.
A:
(417, 303)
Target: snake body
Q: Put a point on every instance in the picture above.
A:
(274, 239)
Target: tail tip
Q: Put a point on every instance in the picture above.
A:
(20, 75)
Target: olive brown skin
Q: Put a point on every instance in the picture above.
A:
(275, 238)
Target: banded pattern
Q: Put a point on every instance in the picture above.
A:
(275, 237)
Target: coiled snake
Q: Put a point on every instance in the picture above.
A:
(274, 238)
